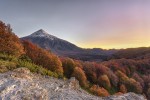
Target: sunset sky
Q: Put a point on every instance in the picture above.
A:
(86, 23)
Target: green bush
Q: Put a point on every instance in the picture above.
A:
(6, 57)
(9, 62)
(6, 66)
(35, 68)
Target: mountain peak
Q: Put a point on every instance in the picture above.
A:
(42, 33)
(39, 32)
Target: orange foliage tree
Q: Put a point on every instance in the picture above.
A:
(123, 88)
(113, 77)
(99, 91)
(131, 84)
(139, 79)
(9, 42)
(90, 72)
(134, 86)
(68, 66)
(79, 74)
(104, 81)
(42, 57)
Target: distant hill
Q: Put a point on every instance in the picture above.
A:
(132, 53)
(64, 48)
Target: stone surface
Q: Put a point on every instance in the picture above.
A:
(20, 84)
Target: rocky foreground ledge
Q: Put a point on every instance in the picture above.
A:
(21, 84)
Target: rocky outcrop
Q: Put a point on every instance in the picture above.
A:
(21, 84)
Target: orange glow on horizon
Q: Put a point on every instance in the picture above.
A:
(139, 37)
(114, 45)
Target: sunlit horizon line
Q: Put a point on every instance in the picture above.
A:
(105, 48)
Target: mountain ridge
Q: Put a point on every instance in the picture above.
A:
(64, 48)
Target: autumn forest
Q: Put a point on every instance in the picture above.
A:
(127, 70)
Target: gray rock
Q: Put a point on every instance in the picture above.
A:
(20, 84)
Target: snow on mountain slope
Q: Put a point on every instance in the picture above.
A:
(42, 33)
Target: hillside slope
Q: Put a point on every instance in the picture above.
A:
(20, 84)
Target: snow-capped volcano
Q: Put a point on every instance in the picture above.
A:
(64, 48)
(47, 41)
